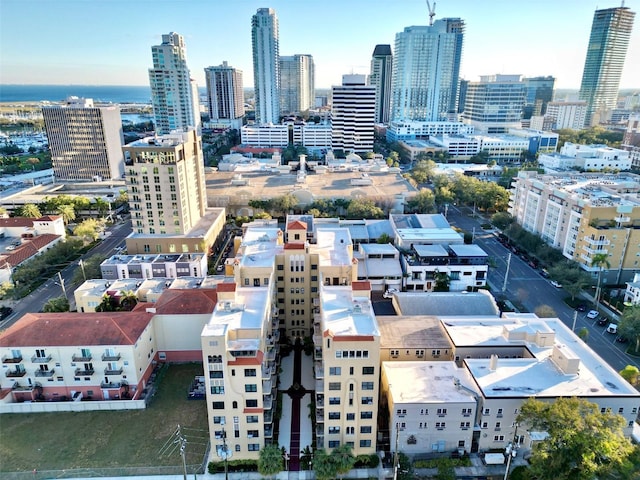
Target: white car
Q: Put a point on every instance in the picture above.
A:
(556, 284)
(592, 314)
(612, 328)
(390, 292)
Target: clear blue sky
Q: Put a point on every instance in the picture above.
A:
(100, 42)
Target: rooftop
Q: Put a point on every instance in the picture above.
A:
(333, 246)
(346, 315)
(246, 312)
(446, 304)
(417, 331)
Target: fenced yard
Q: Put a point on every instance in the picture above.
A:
(110, 440)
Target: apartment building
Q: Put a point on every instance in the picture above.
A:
(353, 115)
(380, 77)
(379, 264)
(297, 83)
(225, 95)
(567, 114)
(583, 214)
(154, 266)
(85, 141)
(281, 135)
(631, 140)
(411, 130)
(347, 368)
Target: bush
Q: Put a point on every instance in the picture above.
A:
(443, 463)
(234, 466)
(367, 461)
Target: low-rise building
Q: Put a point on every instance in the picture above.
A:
(152, 266)
(413, 130)
(379, 264)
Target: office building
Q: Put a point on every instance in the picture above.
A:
(165, 183)
(583, 214)
(380, 77)
(266, 67)
(494, 104)
(606, 52)
(353, 115)
(297, 84)
(567, 115)
(538, 93)
(225, 95)
(174, 95)
(426, 71)
(85, 141)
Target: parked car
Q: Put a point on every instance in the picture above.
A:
(581, 308)
(602, 321)
(593, 314)
(612, 328)
(5, 312)
(544, 273)
(622, 339)
(390, 292)
(556, 284)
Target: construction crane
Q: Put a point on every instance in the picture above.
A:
(432, 12)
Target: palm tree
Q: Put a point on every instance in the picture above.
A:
(30, 210)
(599, 260)
(107, 304)
(128, 300)
(67, 212)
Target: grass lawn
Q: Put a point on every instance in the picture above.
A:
(52, 441)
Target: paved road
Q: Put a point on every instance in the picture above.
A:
(527, 286)
(34, 302)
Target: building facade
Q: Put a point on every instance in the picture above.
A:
(380, 77)
(494, 104)
(567, 115)
(297, 83)
(426, 71)
(353, 115)
(266, 67)
(174, 95)
(606, 53)
(631, 140)
(85, 141)
(539, 92)
(225, 94)
(165, 183)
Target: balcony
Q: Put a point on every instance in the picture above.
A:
(117, 371)
(266, 385)
(319, 370)
(24, 388)
(267, 417)
(18, 372)
(81, 372)
(594, 251)
(319, 401)
(317, 354)
(36, 359)
(319, 430)
(17, 359)
(268, 431)
(267, 402)
(267, 371)
(319, 386)
(45, 373)
(271, 355)
(80, 358)
(594, 242)
(110, 385)
(110, 357)
(319, 415)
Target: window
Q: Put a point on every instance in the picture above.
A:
(334, 443)
(464, 425)
(334, 430)
(487, 411)
(498, 438)
(253, 433)
(218, 420)
(401, 412)
(249, 372)
(237, 448)
(217, 405)
(442, 412)
(485, 425)
(367, 385)
(334, 400)
(424, 411)
(252, 403)
(254, 447)
(367, 401)
(252, 419)
(366, 415)
(466, 412)
(335, 370)
(440, 425)
(350, 430)
(365, 443)
(216, 374)
(251, 387)
(499, 412)
(368, 370)
(351, 416)
(334, 385)
(334, 415)
(366, 429)
(498, 425)
(217, 390)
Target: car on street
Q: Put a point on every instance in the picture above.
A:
(390, 292)
(544, 273)
(612, 328)
(556, 284)
(593, 314)
(5, 312)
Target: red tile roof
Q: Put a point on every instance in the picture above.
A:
(187, 302)
(76, 329)
(294, 246)
(47, 218)
(297, 225)
(362, 285)
(16, 222)
(27, 250)
(226, 287)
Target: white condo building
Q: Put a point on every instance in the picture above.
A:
(426, 71)
(352, 115)
(297, 83)
(174, 94)
(567, 114)
(85, 141)
(266, 67)
(225, 96)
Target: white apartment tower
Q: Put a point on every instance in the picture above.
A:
(353, 115)
(380, 77)
(567, 114)
(225, 96)
(165, 183)
(266, 74)
(426, 71)
(85, 141)
(174, 94)
(297, 83)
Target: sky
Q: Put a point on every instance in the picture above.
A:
(108, 42)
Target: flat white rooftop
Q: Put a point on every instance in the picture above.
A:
(247, 311)
(342, 314)
(428, 382)
(259, 247)
(332, 246)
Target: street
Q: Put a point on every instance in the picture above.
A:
(528, 287)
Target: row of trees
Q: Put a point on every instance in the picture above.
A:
(70, 207)
(356, 208)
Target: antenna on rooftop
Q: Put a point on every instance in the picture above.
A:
(432, 11)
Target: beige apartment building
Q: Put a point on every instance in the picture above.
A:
(583, 214)
(347, 368)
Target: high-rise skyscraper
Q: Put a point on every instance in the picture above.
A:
(352, 115)
(539, 92)
(85, 141)
(174, 94)
(426, 71)
(225, 95)
(610, 33)
(380, 77)
(266, 74)
(297, 83)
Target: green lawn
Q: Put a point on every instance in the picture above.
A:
(53, 441)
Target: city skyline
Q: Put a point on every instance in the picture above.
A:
(495, 40)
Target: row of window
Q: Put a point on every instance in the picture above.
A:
(353, 354)
(249, 403)
(336, 443)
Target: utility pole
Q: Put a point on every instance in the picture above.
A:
(64, 290)
(81, 263)
(511, 451)
(506, 274)
(182, 441)
(395, 455)
(575, 318)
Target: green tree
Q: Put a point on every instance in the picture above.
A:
(107, 304)
(67, 212)
(343, 458)
(405, 467)
(502, 220)
(442, 282)
(630, 373)
(423, 170)
(599, 260)
(629, 326)
(583, 443)
(270, 461)
(59, 304)
(422, 202)
(583, 334)
(324, 466)
(572, 277)
(128, 300)
(384, 238)
(90, 269)
(88, 230)
(30, 210)
(364, 208)
(545, 311)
